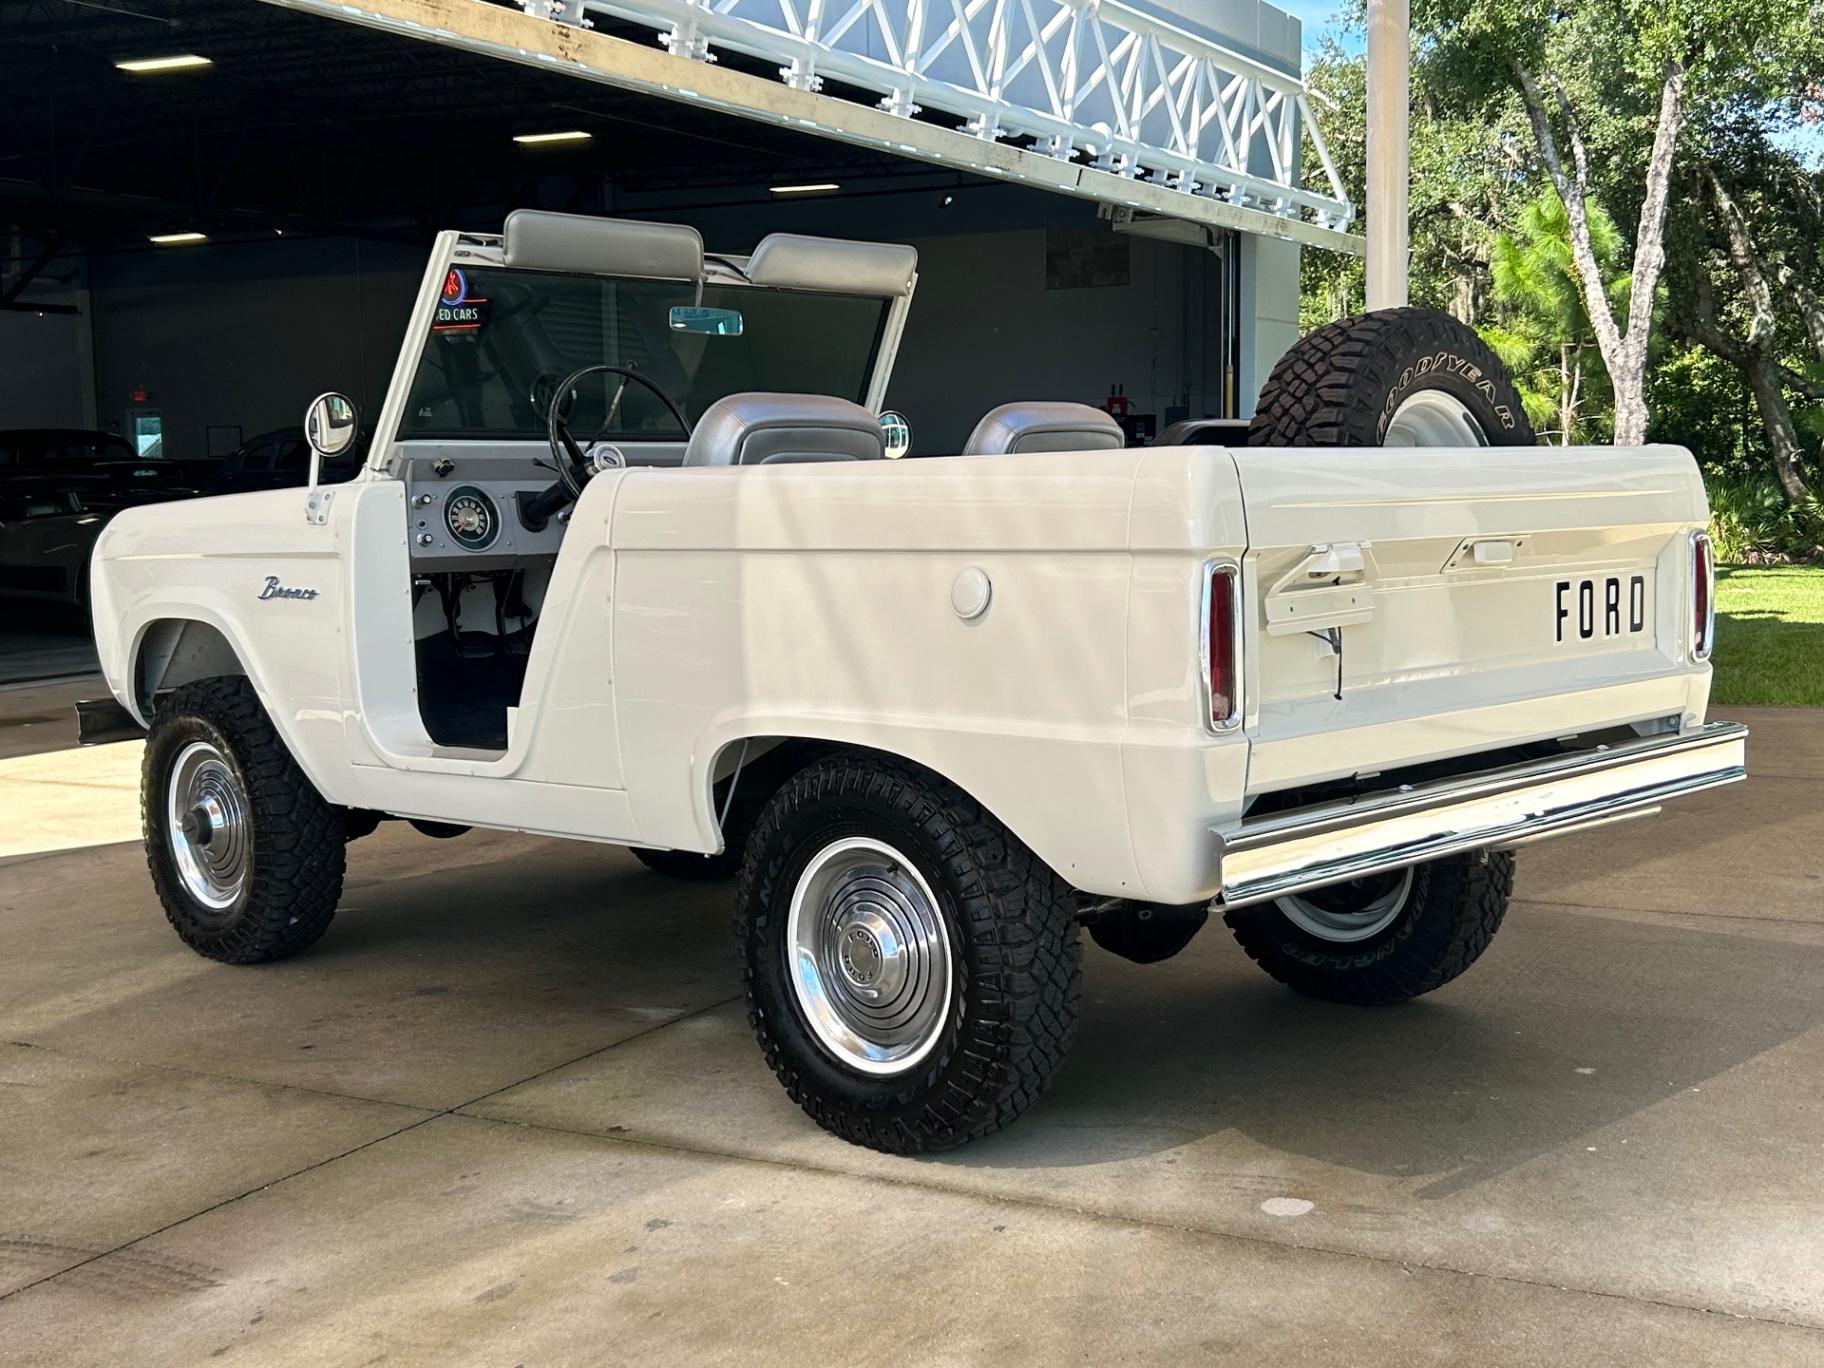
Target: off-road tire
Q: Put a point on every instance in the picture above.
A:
(1453, 912)
(1015, 952)
(1341, 385)
(297, 854)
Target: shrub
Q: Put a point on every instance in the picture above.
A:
(1751, 522)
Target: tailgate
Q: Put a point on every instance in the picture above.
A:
(1480, 598)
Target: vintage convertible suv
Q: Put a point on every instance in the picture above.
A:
(625, 564)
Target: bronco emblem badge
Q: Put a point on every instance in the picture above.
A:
(275, 590)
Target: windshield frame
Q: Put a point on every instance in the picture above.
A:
(481, 250)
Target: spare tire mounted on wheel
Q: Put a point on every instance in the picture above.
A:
(1395, 377)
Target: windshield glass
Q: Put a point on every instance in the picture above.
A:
(503, 340)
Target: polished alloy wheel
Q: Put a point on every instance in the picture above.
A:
(1352, 911)
(206, 818)
(1432, 418)
(869, 956)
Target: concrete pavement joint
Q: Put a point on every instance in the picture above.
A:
(1117, 1218)
(431, 1115)
(1670, 914)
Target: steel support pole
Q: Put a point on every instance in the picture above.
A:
(1389, 91)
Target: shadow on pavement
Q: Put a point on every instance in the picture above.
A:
(1456, 1087)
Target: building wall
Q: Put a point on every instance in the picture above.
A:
(985, 329)
(1269, 311)
(242, 336)
(41, 372)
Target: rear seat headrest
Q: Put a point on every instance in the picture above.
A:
(773, 429)
(1044, 425)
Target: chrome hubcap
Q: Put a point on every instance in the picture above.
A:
(207, 825)
(1351, 911)
(1432, 418)
(869, 957)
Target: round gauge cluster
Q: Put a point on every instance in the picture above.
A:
(472, 518)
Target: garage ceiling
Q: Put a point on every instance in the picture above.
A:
(310, 126)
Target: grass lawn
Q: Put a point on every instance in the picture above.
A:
(1770, 636)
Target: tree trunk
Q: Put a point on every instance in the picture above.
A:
(1565, 399)
(1624, 354)
(1758, 357)
(1776, 421)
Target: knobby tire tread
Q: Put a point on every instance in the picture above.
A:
(1020, 920)
(1458, 908)
(1330, 389)
(299, 845)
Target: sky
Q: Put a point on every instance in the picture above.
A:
(1318, 17)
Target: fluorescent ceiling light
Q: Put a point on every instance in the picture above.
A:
(569, 135)
(188, 61)
(177, 239)
(805, 189)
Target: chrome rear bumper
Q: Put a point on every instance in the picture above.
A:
(1288, 852)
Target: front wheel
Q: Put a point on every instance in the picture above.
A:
(245, 854)
(912, 968)
(1384, 938)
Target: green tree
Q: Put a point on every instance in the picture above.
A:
(1541, 330)
(1618, 84)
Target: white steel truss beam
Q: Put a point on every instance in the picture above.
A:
(1254, 113)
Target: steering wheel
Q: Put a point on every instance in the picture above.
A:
(572, 463)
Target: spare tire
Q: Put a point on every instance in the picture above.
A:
(1394, 377)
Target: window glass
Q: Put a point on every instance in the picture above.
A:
(510, 337)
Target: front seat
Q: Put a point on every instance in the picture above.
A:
(772, 429)
(1045, 425)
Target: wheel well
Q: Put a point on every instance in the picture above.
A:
(769, 764)
(177, 651)
(765, 764)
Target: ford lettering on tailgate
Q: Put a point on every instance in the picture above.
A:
(1603, 608)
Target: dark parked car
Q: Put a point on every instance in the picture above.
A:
(48, 527)
(129, 477)
(280, 460)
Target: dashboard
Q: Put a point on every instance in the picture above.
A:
(462, 501)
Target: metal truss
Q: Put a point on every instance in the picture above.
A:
(1096, 80)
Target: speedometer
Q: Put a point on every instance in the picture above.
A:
(472, 518)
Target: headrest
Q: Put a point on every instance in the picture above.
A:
(771, 429)
(1045, 425)
(787, 261)
(578, 243)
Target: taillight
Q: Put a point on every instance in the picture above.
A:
(1703, 596)
(1221, 619)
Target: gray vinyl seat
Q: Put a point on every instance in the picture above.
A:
(1044, 425)
(773, 429)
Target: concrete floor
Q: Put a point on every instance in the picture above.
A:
(41, 640)
(509, 1112)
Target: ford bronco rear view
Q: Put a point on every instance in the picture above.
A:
(630, 560)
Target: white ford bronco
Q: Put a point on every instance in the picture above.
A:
(625, 564)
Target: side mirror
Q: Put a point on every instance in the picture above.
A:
(330, 427)
(896, 433)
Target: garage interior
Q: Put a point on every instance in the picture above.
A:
(316, 158)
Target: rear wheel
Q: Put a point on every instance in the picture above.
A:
(912, 969)
(245, 854)
(1384, 938)
(1395, 377)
